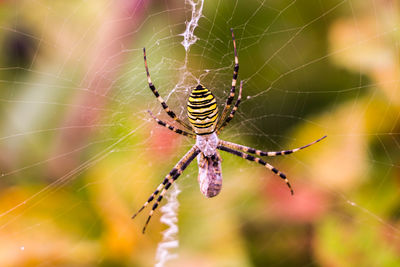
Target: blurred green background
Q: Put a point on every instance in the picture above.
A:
(80, 154)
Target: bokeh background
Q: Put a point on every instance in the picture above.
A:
(79, 153)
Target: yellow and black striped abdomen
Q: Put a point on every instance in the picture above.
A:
(202, 110)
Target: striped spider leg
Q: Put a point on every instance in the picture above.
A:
(168, 181)
(258, 152)
(258, 160)
(170, 127)
(233, 111)
(234, 79)
(240, 151)
(159, 98)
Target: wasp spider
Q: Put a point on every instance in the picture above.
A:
(205, 126)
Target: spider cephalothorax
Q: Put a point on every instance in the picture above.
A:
(205, 126)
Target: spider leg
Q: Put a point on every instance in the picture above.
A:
(266, 153)
(167, 178)
(170, 127)
(202, 161)
(152, 196)
(234, 79)
(258, 160)
(233, 111)
(159, 98)
(168, 181)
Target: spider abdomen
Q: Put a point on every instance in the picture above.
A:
(210, 176)
(202, 110)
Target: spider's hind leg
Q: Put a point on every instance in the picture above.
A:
(258, 152)
(259, 161)
(168, 181)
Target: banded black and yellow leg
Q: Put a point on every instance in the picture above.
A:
(160, 197)
(234, 79)
(169, 180)
(159, 98)
(152, 196)
(266, 153)
(258, 160)
(233, 111)
(170, 127)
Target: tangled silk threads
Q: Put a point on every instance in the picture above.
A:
(169, 217)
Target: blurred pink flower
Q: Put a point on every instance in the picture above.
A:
(306, 205)
(163, 143)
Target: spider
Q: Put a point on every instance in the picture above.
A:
(205, 126)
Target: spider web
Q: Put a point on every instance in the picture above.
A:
(80, 153)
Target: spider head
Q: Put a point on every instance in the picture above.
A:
(202, 110)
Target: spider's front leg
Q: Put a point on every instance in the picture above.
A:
(233, 87)
(233, 111)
